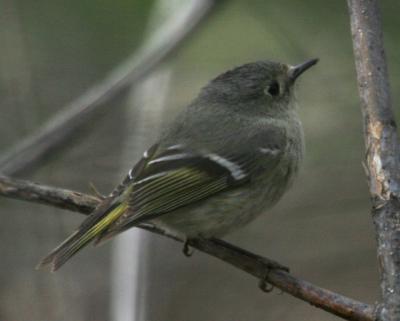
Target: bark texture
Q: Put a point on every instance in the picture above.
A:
(382, 146)
(260, 267)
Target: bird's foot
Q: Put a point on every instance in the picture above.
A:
(264, 285)
(273, 265)
(96, 192)
(187, 250)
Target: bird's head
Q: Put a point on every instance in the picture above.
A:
(263, 85)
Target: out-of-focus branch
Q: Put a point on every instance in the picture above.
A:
(246, 261)
(382, 145)
(59, 128)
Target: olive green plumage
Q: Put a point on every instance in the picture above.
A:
(229, 156)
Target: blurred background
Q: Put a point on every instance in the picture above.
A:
(53, 51)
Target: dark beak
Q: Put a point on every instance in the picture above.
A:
(296, 71)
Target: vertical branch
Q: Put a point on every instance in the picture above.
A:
(129, 274)
(382, 145)
(129, 299)
(15, 75)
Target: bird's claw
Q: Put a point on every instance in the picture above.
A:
(264, 285)
(273, 265)
(187, 250)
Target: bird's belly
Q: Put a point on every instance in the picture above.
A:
(221, 213)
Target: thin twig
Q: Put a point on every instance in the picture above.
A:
(57, 197)
(246, 261)
(59, 128)
(382, 145)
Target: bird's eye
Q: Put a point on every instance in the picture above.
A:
(273, 89)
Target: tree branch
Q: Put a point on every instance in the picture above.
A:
(382, 145)
(59, 128)
(246, 261)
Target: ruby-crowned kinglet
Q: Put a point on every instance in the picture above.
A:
(229, 156)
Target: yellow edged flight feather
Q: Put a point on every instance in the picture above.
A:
(81, 237)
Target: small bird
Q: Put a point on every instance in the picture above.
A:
(229, 156)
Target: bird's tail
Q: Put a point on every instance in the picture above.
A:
(96, 223)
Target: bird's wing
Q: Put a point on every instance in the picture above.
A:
(175, 176)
